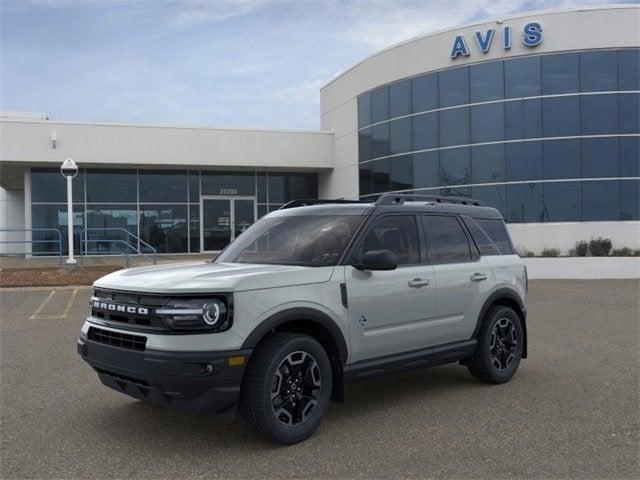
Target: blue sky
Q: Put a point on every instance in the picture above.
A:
(246, 63)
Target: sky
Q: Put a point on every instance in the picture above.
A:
(217, 63)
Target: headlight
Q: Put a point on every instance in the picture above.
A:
(198, 314)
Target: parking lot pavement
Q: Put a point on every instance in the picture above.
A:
(572, 411)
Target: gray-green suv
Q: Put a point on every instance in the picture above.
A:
(309, 298)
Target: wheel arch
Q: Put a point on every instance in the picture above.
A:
(507, 298)
(316, 324)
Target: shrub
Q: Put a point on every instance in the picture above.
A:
(550, 252)
(523, 252)
(582, 248)
(625, 252)
(600, 247)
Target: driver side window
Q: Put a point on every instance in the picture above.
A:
(398, 234)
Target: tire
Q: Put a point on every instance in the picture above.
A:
(499, 350)
(297, 370)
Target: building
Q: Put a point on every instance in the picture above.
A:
(537, 115)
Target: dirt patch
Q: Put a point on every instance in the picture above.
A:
(53, 276)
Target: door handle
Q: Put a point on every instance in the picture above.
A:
(418, 282)
(478, 277)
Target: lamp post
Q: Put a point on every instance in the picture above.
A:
(69, 169)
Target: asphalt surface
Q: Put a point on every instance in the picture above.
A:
(572, 411)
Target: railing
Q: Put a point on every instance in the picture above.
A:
(130, 246)
(57, 241)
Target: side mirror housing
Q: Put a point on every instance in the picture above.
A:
(377, 260)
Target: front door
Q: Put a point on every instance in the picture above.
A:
(222, 219)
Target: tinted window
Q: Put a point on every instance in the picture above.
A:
(400, 135)
(600, 200)
(599, 114)
(630, 157)
(560, 73)
(497, 232)
(219, 183)
(562, 201)
(425, 170)
(454, 127)
(53, 216)
(446, 240)
(380, 140)
(400, 98)
(598, 71)
(487, 164)
(163, 187)
(425, 131)
(487, 82)
(49, 186)
(194, 228)
(524, 203)
(454, 166)
(194, 187)
(398, 234)
(454, 87)
(112, 186)
(261, 186)
(379, 105)
(284, 187)
(365, 178)
(523, 161)
(483, 242)
(630, 200)
(165, 227)
(424, 92)
(522, 77)
(380, 172)
(492, 195)
(600, 157)
(401, 172)
(364, 110)
(365, 145)
(629, 112)
(629, 70)
(561, 159)
(561, 116)
(523, 119)
(487, 123)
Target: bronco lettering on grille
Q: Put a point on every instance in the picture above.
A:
(113, 307)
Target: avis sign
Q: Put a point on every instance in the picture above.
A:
(531, 37)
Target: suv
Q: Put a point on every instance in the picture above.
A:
(309, 298)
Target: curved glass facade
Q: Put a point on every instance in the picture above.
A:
(543, 138)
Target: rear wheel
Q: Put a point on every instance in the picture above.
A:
(287, 388)
(499, 349)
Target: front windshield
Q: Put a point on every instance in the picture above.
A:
(310, 240)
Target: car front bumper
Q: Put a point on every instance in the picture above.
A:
(200, 382)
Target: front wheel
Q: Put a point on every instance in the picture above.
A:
(287, 388)
(499, 350)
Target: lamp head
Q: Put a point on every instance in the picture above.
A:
(69, 168)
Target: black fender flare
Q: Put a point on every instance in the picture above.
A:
(297, 314)
(511, 297)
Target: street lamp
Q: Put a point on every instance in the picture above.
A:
(69, 169)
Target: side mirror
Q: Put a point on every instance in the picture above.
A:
(377, 260)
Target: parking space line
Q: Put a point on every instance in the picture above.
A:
(69, 304)
(42, 305)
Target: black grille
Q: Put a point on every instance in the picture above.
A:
(148, 321)
(117, 339)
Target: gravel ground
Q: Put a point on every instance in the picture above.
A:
(45, 276)
(572, 411)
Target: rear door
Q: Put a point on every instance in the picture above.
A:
(391, 311)
(461, 276)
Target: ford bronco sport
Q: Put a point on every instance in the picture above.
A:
(309, 298)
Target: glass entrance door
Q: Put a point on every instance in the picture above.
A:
(223, 219)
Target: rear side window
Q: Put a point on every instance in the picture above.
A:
(398, 234)
(481, 238)
(446, 240)
(497, 232)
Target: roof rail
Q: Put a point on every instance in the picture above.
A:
(400, 198)
(306, 203)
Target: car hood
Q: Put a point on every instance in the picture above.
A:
(196, 277)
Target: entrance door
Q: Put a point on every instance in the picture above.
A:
(222, 219)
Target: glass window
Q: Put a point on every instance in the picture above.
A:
(454, 127)
(599, 114)
(274, 207)
(194, 228)
(492, 195)
(487, 81)
(483, 242)
(165, 227)
(629, 69)
(400, 135)
(523, 119)
(523, 161)
(560, 73)
(454, 166)
(561, 116)
(365, 145)
(630, 157)
(222, 183)
(522, 77)
(600, 200)
(194, 186)
(426, 170)
(424, 93)
(454, 87)
(365, 179)
(107, 226)
(487, 164)
(561, 159)
(400, 98)
(425, 131)
(630, 200)
(487, 123)
(49, 186)
(398, 234)
(364, 110)
(599, 71)
(446, 240)
(401, 172)
(497, 232)
(163, 186)
(380, 140)
(286, 187)
(600, 157)
(262, 211)
(524, 203)
(629, 112)
(261, 186)
(380, 104)
(380, 170)
(562, 201)
(54, 216)
(112, 186)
